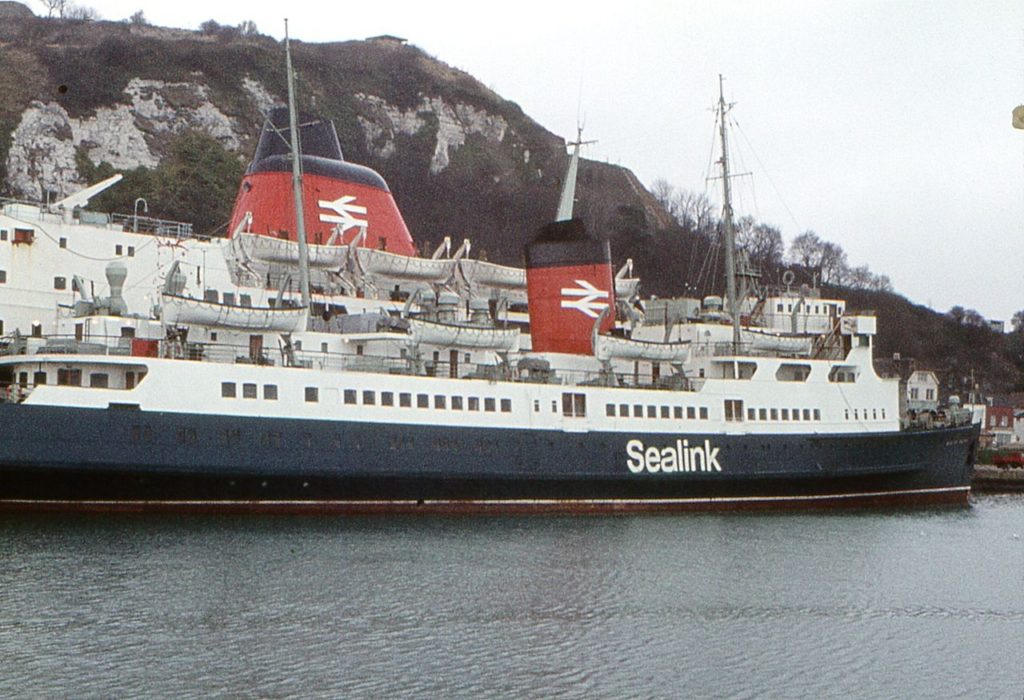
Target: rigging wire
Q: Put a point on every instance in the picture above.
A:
(767, 175)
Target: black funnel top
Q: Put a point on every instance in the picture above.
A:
(321, 151)
(566, 243)
(317, 136)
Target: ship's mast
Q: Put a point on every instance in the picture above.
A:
(727, 222)
(296, 150)
(568, 197)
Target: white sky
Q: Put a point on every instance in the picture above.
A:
(883, 126)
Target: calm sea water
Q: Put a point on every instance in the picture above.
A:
(880, 604)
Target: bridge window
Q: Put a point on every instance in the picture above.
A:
(270, 392)
(609, 410)
(405, 400)
(489, 404)
(387, 398)
(99, 380)
(248, 391)
(312, 394)
(369, 397)
(422, 400)
(474, 403)
(456, 403)
(506, 406)
(350, 396)
(789, 372)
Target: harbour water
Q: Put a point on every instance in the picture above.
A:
(865, 605)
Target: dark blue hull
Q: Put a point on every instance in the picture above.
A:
(129, 459)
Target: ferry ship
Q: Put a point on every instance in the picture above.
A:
(398, 383)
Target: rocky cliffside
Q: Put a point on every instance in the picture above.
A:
(461, 160)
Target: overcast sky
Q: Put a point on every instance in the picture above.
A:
(882, 126)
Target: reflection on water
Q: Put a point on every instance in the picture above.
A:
(882, 604)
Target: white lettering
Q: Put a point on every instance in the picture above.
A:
(673, 458)
(668, 460)
(635, 450)
(712, 457)
(653, 457)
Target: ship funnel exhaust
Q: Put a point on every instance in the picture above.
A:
(341, 201)
(117, 273)
(569, 285)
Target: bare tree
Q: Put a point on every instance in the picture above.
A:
(55, 8)
(73, 11)
(806, 250)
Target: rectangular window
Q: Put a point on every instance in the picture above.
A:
(129, 380)
(70, 378)
(422, 400)
(270, 392)
(99, 380)
(3, 235)
(131, 251)
(118, 249)
(734, 410)
(664, 412)
(489, 404)
(405, 399)
(751, 414)
(387, 398)
(474, 403)
(350, 396)
(39, 378)
(456, 403)
(439, 401)
(369, 397)
(652, 411)
(245, 299)
(227, 390)
(506, 405)
(807, 414)
(691, 412)
(312, 394)
(817, 413)
(23, 379)
(574, 405)
(248, 391)
(609, 410)
(762, 414)
(229, 298)
(624, 410)
(677, 412)
(703, 412)
(785, 414)
(796, 414)
(638, 411)
(60, 283)
(3, 276)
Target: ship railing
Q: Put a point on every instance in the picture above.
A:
(124, 222)
(231, 353)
